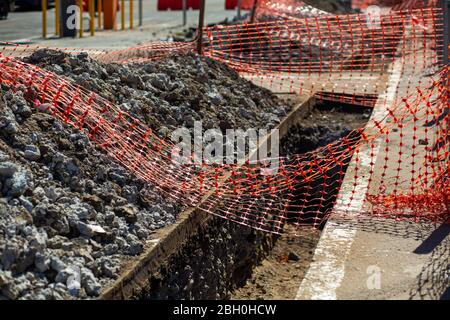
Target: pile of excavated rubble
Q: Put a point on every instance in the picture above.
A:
(70, 217)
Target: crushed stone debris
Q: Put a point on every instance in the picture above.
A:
(70, 216)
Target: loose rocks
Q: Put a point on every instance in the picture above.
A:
(70, 216)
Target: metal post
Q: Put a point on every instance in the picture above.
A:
(239, 9)
(110, 14)
(131, 14)
(184, 12)
(201, 20)
(445, 4)
(80, 5)
(91, 9)
(57, 14)
(44, 18)
(253, 14)
(122, 13)
(99, 13)
(140, 13)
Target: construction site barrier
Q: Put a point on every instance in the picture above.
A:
(399, 162)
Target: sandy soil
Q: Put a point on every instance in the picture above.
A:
(279, 276)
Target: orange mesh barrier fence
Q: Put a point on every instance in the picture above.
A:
(397, 166)
(310, 55)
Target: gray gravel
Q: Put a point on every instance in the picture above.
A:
(174, 92)
(69, 216)
(62, 223)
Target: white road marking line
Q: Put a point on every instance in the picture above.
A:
(327, 270)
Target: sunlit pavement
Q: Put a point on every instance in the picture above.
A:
(26, 26)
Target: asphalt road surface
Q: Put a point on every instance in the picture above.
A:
(26, 26)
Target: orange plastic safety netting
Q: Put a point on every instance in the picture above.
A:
(396, 166)
(310, 55)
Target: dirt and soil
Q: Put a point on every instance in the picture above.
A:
(280, 274)
(225, 260)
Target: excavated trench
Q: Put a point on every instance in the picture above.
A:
(225, 260)
(148, 250)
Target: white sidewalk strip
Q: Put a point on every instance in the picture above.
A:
(327, 270)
